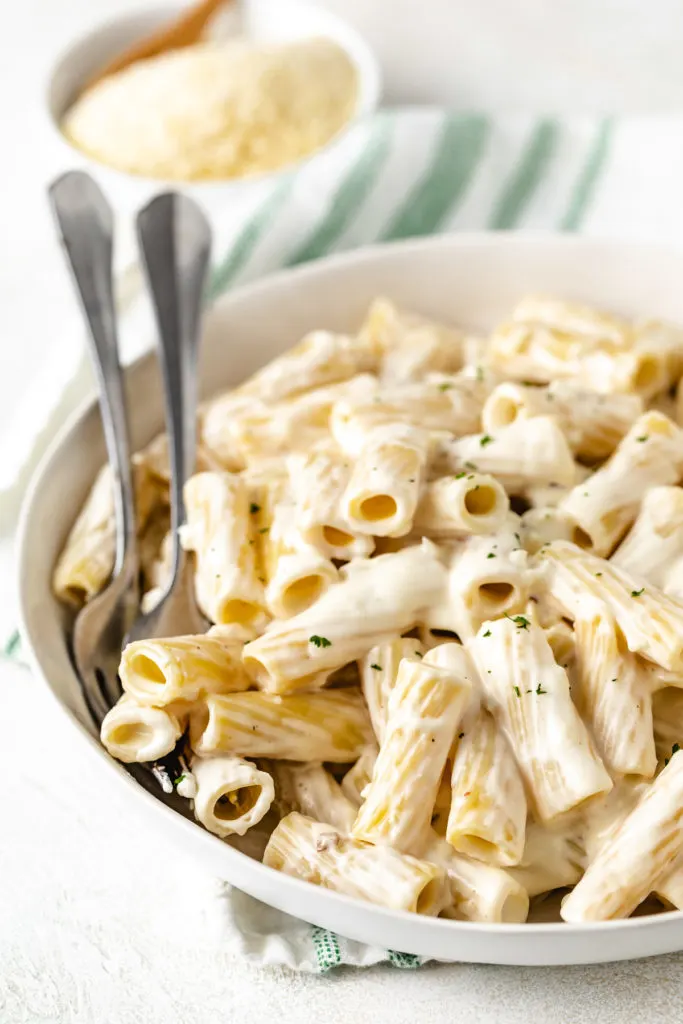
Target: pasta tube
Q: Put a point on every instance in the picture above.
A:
(320, 358)
(573, 318)
(629, 866)
(136, 732)
(220, 531)
(613, 695)
(378, 674)
(669, 889)
(593, 423)
(410, 345)
(605, 504)
(318, 853)
(438, 403)
(651, 622)
(488, 576)
(87, 559)
(527, 453)
(528, 694)
(478, 892)
(425, 707)
(158, 672)
(232, 795)
(382, 493)
(311, 790)
(375, 600)
(462, 504)
(319, 479)
(328, 726)
(265, 429)
(487, 818)
(654, 544)
(295, 572)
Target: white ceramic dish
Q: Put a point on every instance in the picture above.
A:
(471, 280)
(264, 21)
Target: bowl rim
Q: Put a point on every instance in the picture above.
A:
(663, 922)
(359, 51)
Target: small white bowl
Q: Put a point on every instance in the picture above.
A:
(266, 21)
(471, 280)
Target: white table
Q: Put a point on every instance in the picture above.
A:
(101, 922)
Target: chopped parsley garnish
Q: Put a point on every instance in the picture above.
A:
(517, 691)
(643, 438)
(377, 668)
(254, 509)
(180, 778)
(486, 439)
(540, 690)
(470, 465)
(319, 641)
(598, 574)
(487, 633)
(419, 654)
(519, 620)
(491, 554)
(459, 476)
(674, 750)
(264, 529)
(637, 593)
(445, 386)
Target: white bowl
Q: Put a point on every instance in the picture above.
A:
(469, 279)
(267, 21)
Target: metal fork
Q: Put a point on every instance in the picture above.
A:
(85, 223)
(175, 242)
(175, 239)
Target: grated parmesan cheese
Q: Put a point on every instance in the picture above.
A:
(216, 111)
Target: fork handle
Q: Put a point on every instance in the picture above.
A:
(175, 242)
(85, 223)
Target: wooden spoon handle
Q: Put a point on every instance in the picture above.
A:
(184, 31)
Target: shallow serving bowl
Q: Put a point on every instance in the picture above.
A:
(468, 279)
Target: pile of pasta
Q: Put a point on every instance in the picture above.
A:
(446, 579)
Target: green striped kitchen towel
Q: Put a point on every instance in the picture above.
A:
(419, 172)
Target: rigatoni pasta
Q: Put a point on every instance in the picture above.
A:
(374, 600)
(606, 504)
(329, 726)
(232, 794)
(445, 578)
(137, 732)
(159, 672)
(644, 848)
(318, 853)
(425, 706)
(220, 531)
(529, 695)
